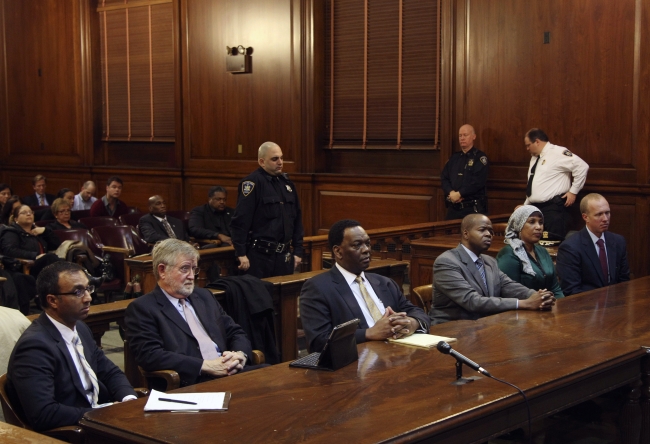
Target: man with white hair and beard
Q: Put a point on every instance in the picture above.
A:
(180, 327)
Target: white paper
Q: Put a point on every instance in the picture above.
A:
(204, 401)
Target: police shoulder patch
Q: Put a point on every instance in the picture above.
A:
(567, 153)
(247, 187)
(483, 160)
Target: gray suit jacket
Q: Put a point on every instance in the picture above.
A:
(459, 291)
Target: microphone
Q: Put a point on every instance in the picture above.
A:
(445, 348)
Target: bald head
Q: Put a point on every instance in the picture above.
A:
(264, 148)
(157, 206)
(270, 158)
(476, 233)
(466, 137)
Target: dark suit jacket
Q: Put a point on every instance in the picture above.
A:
(161, 339)
(44, 381)
(205, 224)
(459, 291)
(32, 200)
(327, 301)
(152, 230)
(578, 266)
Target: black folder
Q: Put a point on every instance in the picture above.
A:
(339, 351)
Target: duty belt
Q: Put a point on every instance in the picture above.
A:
(467, 203)
(270, 247)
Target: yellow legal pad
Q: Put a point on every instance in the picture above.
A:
(422, 340)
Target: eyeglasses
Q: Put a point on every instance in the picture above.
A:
(79, 292)
(63, 211)
(25, 213)
(186, 269)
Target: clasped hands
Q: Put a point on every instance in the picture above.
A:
(391, 325)
(541, 300)
(227, 364)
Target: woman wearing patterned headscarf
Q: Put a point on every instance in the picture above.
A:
(522, 259)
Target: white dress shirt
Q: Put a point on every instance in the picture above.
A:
(356, 291)
(553, 174)
(68, 335)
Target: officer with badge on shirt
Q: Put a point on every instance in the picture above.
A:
(464, 177)
(550, 187)
(267, 223)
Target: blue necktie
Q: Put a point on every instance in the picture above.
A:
(481, 269)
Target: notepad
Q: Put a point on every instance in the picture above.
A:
(422, 340)
(217, 401)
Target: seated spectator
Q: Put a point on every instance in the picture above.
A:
(86, 197)
(181, 327)
(346, 292)
(64, 193)
(110, 204)
(24, 241)
(8, 208)
(56, 371)
(594, 257)
(5, 194)
(40, 198)
(12, 324)
(62, 211)
(523, 259)
(212, 220)
(157, 226)
(469, 284)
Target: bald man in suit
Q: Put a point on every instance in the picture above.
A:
(469, 284)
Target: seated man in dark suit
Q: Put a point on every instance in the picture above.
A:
(183, 328)
(56, 371)
(157, 226)
(346, 292)
(39, 198)
(212, 220)
(594, 257)
(469, 284)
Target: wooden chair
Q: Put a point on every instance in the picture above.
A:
(424, 297)
(101, 221)
(78, 214)
(85, 237)
(131, 219)
(164, 380)
(14, 416)
(43, 223)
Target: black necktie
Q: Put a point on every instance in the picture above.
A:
(529, 187)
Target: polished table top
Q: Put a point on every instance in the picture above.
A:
(587, 345)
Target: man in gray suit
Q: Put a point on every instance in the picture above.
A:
(469, 285)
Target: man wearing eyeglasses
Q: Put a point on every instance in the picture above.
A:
(555, 177)
(180, 327)
(56, 371)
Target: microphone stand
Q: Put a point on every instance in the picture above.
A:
(459, 375)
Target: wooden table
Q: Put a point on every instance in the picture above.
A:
(10, 434)
(589, 344)
(424, 253)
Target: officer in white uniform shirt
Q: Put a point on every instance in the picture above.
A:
(549, 181)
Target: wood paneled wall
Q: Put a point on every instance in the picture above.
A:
(587, 88)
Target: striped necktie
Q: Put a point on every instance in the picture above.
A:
(78, 346)
(481, 269)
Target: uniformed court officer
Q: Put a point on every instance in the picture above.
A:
(267, 222)
(549, 185)
(464, 177)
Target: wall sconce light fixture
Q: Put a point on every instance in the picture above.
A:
(239, 59)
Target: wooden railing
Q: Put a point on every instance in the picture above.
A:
(387, 243)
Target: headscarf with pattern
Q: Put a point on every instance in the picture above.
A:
(515, 224)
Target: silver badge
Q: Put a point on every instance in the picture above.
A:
(289, 188)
